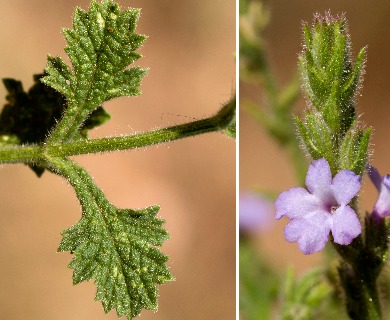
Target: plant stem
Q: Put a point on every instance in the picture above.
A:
(361, 264)
(36, 153)
(361, 294)
(137, 140)
(21, 154)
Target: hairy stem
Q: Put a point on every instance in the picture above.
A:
(36, 153)
(172, 133)
(21, 154)
(361, 293)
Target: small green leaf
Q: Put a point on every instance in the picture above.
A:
(115, 247)
(101, 46)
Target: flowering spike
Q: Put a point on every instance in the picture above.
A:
(330, 80)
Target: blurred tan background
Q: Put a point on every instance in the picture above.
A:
(264, 164)
(190, 53)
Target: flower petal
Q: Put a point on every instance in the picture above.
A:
(310, 233)
(346, 225)
(382, 206)
(319, 179)
(375, 177)
(345, 186)
(295, 203)
(255, 212)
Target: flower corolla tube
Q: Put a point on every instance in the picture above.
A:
(382, 205)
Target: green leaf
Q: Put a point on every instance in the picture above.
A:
(259, 283)
(115, 247)
(29, 116)
(97, 118)
(305, 298)
(101, 46)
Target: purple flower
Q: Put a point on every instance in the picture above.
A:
(255, 212)
(322, 209)
(382, 205)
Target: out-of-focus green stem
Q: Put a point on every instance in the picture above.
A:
(275, 115)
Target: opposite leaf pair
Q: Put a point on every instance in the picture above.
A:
(115, 247)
